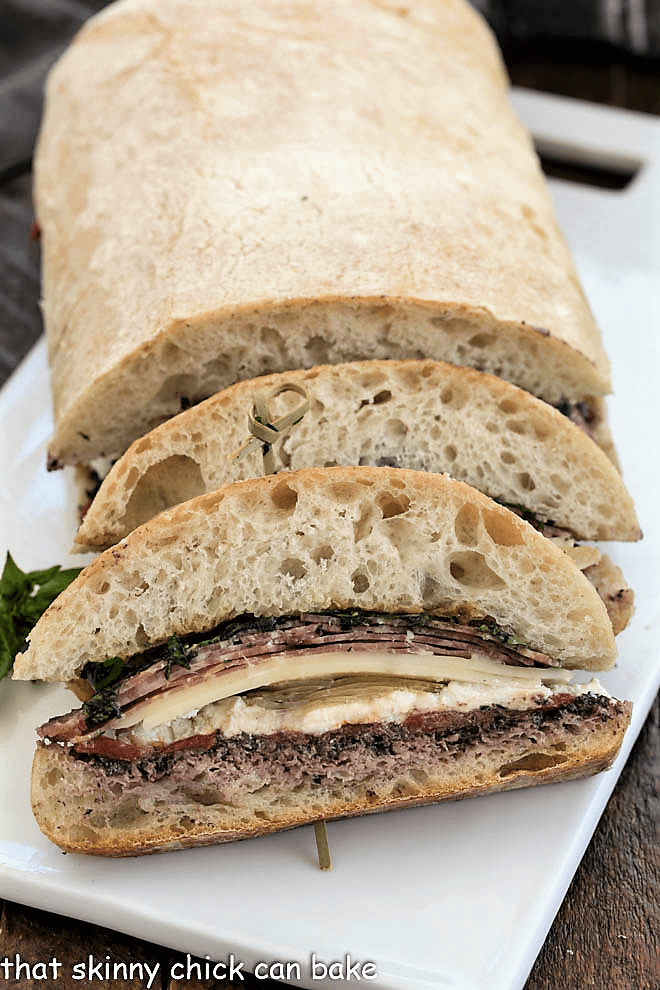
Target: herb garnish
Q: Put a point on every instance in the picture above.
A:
(24, 596)
(491, 628)
(103, 677)
(175, 654)
(104, 673)
(101, 707)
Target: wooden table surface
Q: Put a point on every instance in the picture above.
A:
(607, 931)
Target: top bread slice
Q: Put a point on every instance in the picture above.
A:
(372, 538)
(425, 415)
(226, 189)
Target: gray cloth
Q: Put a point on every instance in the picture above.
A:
(20, 321)
(32, 35)
(630, 24)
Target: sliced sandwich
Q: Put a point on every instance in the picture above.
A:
(228, 189)
(319, 644)
(424, 415)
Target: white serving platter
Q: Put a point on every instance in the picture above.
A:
(457, 896)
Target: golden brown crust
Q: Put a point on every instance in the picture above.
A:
(311, 233)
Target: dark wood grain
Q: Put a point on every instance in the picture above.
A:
(29, 936)
(607, 931)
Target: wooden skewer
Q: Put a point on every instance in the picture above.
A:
(322, 848)
(265, 431)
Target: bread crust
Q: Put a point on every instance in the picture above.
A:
(376, 538)
(358, 186)
(424, 415)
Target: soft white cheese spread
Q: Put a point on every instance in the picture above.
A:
(254, 715)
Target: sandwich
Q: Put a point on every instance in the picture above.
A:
(424, 415)
(229, 189)
(315, 645)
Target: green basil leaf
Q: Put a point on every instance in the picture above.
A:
(24, 597)
(104, 673)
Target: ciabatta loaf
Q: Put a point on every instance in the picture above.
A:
(228, 189)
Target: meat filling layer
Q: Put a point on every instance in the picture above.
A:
(247, 643)
(223, 768)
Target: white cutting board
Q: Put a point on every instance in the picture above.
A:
(456, 896)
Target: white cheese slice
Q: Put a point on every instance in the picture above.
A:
(181, 701)
(358, 702)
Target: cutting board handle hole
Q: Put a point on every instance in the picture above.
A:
(587, 169)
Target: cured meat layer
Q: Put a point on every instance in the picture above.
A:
(249, 641)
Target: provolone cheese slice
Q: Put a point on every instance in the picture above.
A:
(429, 666)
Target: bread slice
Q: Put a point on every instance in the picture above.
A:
(225, 192)
(234, 790)
(425, 415)
(613, 589)
(375, 538)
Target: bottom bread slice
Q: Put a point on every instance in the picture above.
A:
(243, 786)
